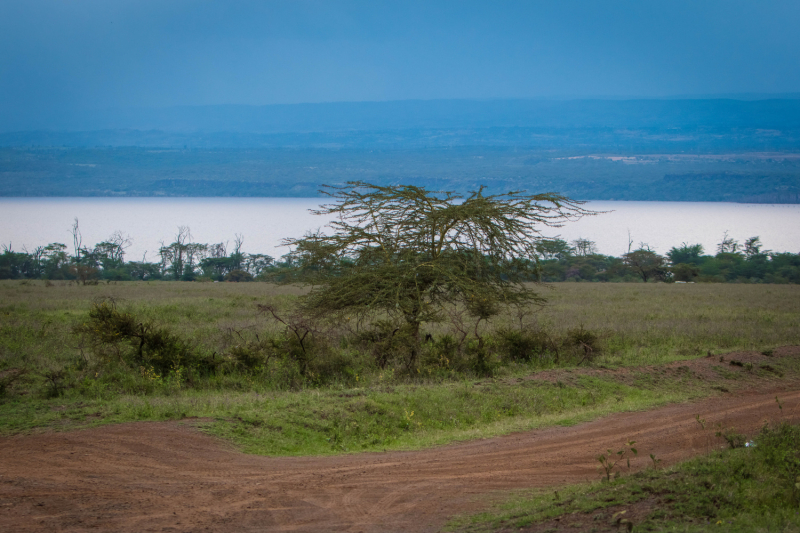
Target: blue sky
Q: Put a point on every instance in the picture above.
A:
(91, 54)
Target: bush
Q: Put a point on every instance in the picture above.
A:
(583, 341)
(685, 272)
(386, 341)
(519, 345)
(238, 275)
(113, 334)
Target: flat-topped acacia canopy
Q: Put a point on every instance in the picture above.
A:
(407, 251)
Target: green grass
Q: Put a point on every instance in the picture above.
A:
(368, 408)
(749, 489)
(639, 323)
(383, 416)
(656, 323)
(49, 381)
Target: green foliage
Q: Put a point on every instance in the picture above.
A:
(406, 252)
(555, 260)
(584, 340)
(610, 460)
(731, 437)
(113, 334)
(526, 345)
(687, 254)
(685, 272)
(779, 447)
(238, 276)
(751, 265)
(647, 264)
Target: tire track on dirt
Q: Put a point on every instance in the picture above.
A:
(168, 476)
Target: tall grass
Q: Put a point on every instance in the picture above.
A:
(655, 323)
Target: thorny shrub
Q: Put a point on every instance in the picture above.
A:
(302, 352)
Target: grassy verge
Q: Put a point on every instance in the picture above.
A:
(392, 416)
(748, 489)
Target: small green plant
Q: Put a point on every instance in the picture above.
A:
(55, 382)
(700, 421)
(655, 461)
(610, 461)
(408, 423)
(734, 440)
(618, 519)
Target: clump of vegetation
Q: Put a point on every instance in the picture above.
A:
(779, 448)
(404, 254)
(113, 334)
(527, 345)
(608, 461)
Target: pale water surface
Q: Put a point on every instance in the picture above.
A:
(31, 222)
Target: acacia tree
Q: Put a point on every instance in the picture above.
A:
(728, 245)
(647, 264)
(407, 252)
(584, 247)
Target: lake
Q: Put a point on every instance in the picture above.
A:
(31, 222)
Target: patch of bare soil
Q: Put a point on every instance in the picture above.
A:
(170, 477)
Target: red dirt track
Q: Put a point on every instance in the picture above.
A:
(170, 477)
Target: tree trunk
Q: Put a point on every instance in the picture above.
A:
(413, 324)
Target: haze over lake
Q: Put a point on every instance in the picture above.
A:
(31, 222)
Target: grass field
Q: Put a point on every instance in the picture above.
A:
(57, 383)
(638, 323)
(51, 379)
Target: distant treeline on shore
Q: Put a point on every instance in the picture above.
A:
(558, 260)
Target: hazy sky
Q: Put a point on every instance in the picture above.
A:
(88, 54)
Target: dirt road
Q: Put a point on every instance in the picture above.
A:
(170, 477)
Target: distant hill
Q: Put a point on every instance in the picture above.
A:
(282, 172)
(669, 149)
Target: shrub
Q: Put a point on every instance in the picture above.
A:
(119, 335)
(521, 345)
(386, 341)
(238, 275)
(583, 341)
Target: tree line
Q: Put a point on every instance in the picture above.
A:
(555, 260)
(746, 262)
(180, 260)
